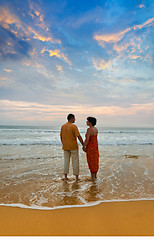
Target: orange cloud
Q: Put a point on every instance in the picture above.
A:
(116, 37)
(101, 64)
(35, 13)
(148, 23)
(3, 78)
(57, 53)
(135, 57)
(121, 47)
(59, 68)
(14, 24)
(7, 19)
(111, 38)
(9, 43)
(137, 49)
(7, 70)
(39, 36)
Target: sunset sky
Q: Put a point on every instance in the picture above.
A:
(90, 58)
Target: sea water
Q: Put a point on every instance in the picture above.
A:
(31, 167)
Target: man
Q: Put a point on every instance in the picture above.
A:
(69, 134)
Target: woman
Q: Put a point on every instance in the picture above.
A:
(90, 146)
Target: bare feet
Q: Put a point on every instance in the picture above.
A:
(93, 177)
(77, 178)
(66, 177)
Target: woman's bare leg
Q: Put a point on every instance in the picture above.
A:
(92, 177)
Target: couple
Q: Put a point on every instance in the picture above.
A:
(69, 134)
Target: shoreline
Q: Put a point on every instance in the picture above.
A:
(35, 207)
(118, 218)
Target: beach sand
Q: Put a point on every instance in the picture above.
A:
(126, 218)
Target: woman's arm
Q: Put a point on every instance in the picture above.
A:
(87, 139)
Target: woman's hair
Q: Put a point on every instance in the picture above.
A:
(92, 120)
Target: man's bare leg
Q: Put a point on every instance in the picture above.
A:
(77, 178)
(66, 177)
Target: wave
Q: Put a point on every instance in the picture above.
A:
(29, 131)
(19, 205)
(59, 144)
(137, 131)
(82, 130)
(58, 131)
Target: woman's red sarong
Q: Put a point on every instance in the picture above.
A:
(92, 154)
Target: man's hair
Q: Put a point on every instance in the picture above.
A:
(92, 120)
(70, 116)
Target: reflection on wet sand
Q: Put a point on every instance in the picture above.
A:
(91, 194)
(70, 194)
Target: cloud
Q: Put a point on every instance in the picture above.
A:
(28, 111)
(90, 16)
(12, 23)
(16, 35)
(135, 48)
(36, 35)
(121, 47)
(110, 38)
(40, 68)
(7, 19)
(132, 45)
(59, 68)
(148, 23)
(141, 6)
(7, 70)
(109, 74)
(22, 30)
(35, 13)
(12, 47)
(5, 82)
(116, 37)
(57, 53)
(129, 50)
(101, 64)
(3, 78)
(135, 57)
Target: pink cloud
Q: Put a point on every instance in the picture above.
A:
(116, 37)
(53, 110)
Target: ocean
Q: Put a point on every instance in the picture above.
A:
(31, 168)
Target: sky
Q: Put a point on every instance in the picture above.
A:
(89, 58)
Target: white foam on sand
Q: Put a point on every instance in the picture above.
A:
(36, 207)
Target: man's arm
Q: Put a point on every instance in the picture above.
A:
(80, 139)
(61, 134)
(61, 138)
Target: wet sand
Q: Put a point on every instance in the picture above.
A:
(133, 218)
